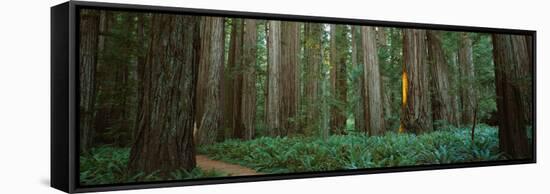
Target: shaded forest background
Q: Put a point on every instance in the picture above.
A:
(166, 87)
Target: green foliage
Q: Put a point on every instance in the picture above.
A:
(104, 165)
(356, 150)
(108, 165)
(482, 51)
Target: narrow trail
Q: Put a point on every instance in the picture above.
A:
(206, 163)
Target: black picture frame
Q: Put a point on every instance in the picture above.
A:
(64, 95)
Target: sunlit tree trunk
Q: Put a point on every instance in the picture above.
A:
(274, 79)
(513, 86)
(442, 101)
(164, 140)
(89, 34)
(212, 55)
(416, 106)
(374, 112)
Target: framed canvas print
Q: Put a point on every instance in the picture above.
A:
(149, 96)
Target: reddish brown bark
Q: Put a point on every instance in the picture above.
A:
(164, 140)
(442, 101)
(416, 108)
(513, 82)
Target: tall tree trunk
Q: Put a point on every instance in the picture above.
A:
(442, 101)
(359, 83)
(89, 31)
(164, 140)
(312, 65)
(513, 83)
(274, 79)
(141, 37)
(233, 76)
(212, 55)
(248, 104)
(416, 109)
(467, 90)
(290, 71)
(374, 112)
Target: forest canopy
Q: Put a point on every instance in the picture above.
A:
(172, 97)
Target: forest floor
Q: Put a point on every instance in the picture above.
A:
(208, 164)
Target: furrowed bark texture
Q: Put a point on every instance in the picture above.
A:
(290, 50)
(274, 79)
(164, 140)
(212, 55)
(512, 74)
(374, 112)
(416, 109)
(442, 101)
(89, 31)
(249, 80)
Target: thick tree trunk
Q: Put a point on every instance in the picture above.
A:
(141, 37)
(357, 62)
(416, 107)
(164, 140)
(233, 77)
(212, 55)
(203, 71)
(274, 79)
(290, 71)
(312, 63)
(467, 76)
(442, 101)
(374, 112)
(248, 104)
(513, 83)
(89, 31)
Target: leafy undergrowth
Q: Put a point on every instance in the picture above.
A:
(107, 165)
(353, 151)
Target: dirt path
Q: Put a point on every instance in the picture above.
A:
(206, 163)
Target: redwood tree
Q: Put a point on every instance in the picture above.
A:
(89, 33)
(248, 104)
(359, 89)
(374, 112)
(233, 77)
(442, 101)
(513, 71)
(164, 138)
(273, 117)
(290, 50)
(212, 55)
(416, 106)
